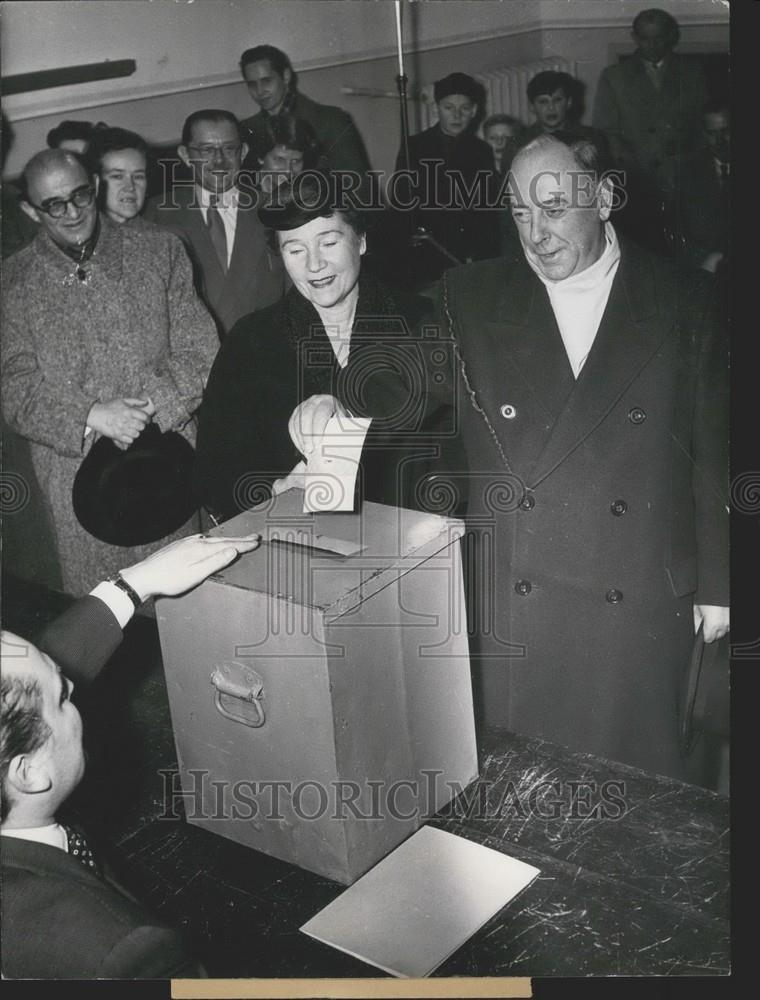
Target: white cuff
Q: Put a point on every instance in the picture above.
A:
(116, 601)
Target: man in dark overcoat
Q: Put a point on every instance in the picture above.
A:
(592, 402)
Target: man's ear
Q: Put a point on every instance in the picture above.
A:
(244, 151)
(96, 183)
(30, 210)
(287, 77)
(605, 196)
(184, 155)
(363, 244)
(28, 773)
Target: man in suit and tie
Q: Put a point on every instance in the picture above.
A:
(64, 918)
(235, 270)
(650, 105)
(589, 379)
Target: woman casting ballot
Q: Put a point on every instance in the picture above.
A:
(296, 350)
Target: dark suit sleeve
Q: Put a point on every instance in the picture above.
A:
(608, 119)
(150, 953)
(402, 382)
(82, 639)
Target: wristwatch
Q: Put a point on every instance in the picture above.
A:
(118, 581)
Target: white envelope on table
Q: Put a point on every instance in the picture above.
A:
(332, 468)
(421, 902)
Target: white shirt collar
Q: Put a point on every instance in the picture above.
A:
(53, 835)
(227, 199)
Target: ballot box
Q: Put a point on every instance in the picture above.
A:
(320, 686)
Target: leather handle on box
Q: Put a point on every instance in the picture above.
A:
(248, 688)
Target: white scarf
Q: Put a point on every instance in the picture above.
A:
(580, 300)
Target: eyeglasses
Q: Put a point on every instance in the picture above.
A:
(56, 208)
(229, 150)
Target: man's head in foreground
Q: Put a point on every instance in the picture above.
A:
(59, 193)
(560, 201)
(41, 754)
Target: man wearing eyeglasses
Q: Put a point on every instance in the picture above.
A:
(102, 332)
(235, 270)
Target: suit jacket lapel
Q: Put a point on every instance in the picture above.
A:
(633, 327)
(249, 245)
(524, 336)
(194, 223)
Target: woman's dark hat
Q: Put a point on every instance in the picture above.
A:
(136, 496)
(458, 83)
(311, 195)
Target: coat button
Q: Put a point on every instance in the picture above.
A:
(636, 415)
(618, 507)
(508, 411)
(523, 587)
(528, 502)
(613, 596)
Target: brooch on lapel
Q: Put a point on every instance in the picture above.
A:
(80, 275)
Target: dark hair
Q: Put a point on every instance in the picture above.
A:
(717, 106)
(548, 81)
(268, 53)
(110, 140)
(23, 729)
(460, 83)
(314, 194)
(69, 129)
(207, 115)
(502, 119)
(654, 15)
(289, 131)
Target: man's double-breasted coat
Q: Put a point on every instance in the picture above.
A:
(596, 508)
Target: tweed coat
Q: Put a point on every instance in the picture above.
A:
(60, 920)
(596, 508)
(255, 277)
(135, 329)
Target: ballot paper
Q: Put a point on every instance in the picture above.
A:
(420, 903)
(333, 465)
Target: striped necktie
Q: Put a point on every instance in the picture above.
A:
(216, 231)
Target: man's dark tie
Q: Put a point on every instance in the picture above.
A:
(216, 231)
(80, 849)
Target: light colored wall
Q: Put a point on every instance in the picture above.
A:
(187, 53)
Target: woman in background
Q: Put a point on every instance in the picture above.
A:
(283, 147)
(120, 158)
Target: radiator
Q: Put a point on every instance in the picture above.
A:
(505, 90)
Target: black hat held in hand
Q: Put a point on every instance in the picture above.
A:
(136, 496)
